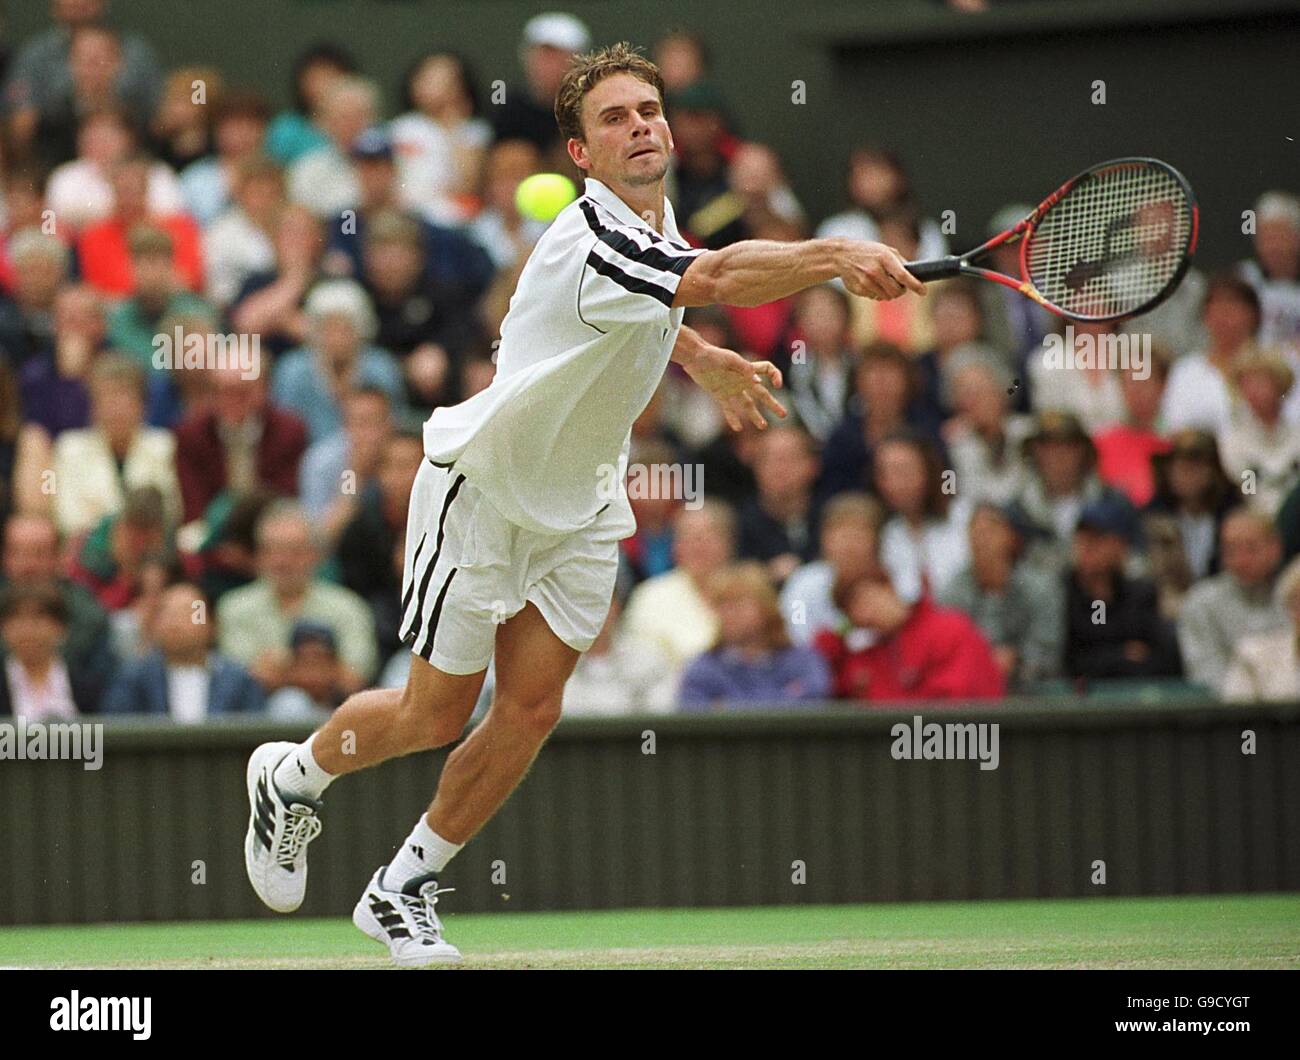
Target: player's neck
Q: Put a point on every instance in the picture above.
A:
(644, 200)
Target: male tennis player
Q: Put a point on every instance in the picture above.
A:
(510, 545)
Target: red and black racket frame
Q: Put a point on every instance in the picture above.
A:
(960, 264)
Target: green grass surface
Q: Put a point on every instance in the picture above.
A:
(1257, 931)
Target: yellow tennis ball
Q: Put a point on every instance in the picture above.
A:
(543, 195)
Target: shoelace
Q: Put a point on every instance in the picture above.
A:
(301, 829)
(422, 911)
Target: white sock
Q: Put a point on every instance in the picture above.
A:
(299, 774)
(423, 852)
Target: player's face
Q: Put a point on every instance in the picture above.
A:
(627, 140)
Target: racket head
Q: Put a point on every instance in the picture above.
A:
(1113, 242)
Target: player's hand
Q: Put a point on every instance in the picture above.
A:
(737, 385)
(874, 270)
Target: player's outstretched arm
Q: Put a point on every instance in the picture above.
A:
(738, 385)
(756, 271)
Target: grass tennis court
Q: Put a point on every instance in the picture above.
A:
(1256, 931)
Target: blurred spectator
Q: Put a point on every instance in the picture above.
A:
(651, 486)
(1265, 667)
(439, 139)
(985, 441)
(94, 467)
(849, 546)
(239, 121)
(1222, 609)
(778, 526)
(366, 544)
(958, 325)
(183, 677)
(312, 381)
(133, 624)
(242, 442)
(134, 323)
(295, 132)
(877, 184)
(904, 321)
(429, 325)
(256, 621)
(620, 675)
(499, 228)
(1199, 393)
(1182, 523)
(1260, 449)
(27, 318)
(270, 304)
(454, 269)
(820, 375)
(323, 179)
(181, 129)
(1018, 607)
(703, 203)
(924, 539)
(240, 242)
(682, 58)
(103, 249)
(1126, 450)
(1113, 628)
(1063, 477)
(23, 206)
(39, 684)
(31, 557)
(1088, 384)
(315, 681)
(42, 81)
(671, 611)
(528, 111)
(80, 191)
(339, 467)
(1274, 271)
(895, 649)
(1013, 324)
(112, 559)
(882, 405)
(752, 663)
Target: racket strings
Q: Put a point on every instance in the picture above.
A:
(1112, 243)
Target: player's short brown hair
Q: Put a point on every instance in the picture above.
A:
(588, 71)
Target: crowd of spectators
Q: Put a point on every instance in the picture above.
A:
(945, 515)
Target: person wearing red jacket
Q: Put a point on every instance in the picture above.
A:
(898, 650)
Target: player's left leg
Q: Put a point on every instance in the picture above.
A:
(532, 665)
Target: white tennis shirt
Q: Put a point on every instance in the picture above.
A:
(585, 343)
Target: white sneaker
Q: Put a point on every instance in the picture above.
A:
(279, 828)
(405, 921)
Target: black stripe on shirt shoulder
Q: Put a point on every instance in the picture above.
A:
(655, 256)
(629, 282)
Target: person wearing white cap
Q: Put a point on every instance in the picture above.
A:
(516, 514)
(549, 44)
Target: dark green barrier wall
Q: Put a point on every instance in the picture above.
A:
(984, 110)
(716, 816)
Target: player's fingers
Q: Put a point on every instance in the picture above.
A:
(772, 404)
(770, 370)
(733, 421)
(897, 270)
(755, 416)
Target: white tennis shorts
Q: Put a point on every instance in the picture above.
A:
(467, 569)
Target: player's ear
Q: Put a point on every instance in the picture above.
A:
(578, 153)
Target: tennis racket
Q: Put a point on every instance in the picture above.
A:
(1112, 242)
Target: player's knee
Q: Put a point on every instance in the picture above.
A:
(536, 715)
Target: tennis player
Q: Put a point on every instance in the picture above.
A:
(511, 548)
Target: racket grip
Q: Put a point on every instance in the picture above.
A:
(935, 268)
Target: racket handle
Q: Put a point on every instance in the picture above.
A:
(935, 268)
